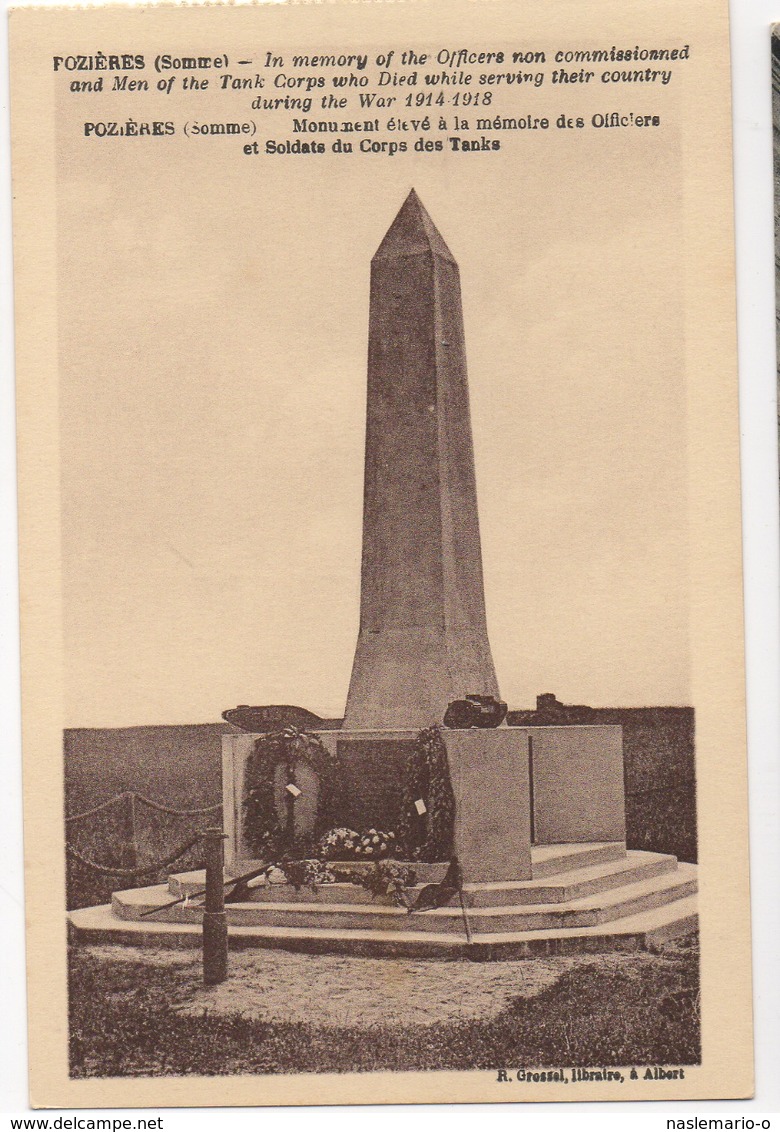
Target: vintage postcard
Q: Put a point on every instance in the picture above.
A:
(380, 553)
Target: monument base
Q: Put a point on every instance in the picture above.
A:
(513, 787)
(539, 831)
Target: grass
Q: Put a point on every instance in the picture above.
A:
(132, 1016)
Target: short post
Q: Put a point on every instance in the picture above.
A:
(129, 843)
(133, 832)
(215, 933)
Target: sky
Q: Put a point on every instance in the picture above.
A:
(213, 332)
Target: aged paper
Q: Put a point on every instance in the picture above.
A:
(258, 250)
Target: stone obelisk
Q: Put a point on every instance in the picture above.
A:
(423, 637)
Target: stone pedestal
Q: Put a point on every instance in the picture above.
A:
(489, 772)
(577, 784)
(512, 785)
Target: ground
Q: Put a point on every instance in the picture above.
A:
(144, 1012)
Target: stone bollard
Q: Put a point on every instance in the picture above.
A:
(215, 933)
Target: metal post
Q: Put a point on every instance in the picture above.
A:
(133, 862)
(215, 933)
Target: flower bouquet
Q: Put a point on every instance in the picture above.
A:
(344, 844)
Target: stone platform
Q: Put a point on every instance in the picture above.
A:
(581, 897)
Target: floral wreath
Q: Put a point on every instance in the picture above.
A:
(428, 836)
(265, 834)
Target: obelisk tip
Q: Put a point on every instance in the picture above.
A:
(413, 233)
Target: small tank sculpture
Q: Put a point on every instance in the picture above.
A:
(475, 711)
(272, 717)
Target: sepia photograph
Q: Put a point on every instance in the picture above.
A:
(430, 831)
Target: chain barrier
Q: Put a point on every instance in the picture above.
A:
(131, 795)
(96, 809)
(129, 829)
(177, 813)
(129, 874)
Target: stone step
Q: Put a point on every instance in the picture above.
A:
(584, 911)
(547, 860)
(181, 884)
(636, 865)
(566, 886)
(187, 884)
(641, 930)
